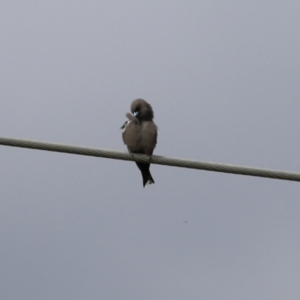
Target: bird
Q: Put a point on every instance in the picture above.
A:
(140, 135)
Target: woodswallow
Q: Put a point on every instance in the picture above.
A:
(140, 134)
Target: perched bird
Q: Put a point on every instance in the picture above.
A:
(140, 134)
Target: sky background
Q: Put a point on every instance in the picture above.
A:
(223, 78)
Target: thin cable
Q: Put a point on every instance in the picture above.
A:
(160, 160)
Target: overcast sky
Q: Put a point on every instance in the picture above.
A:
(223, 78)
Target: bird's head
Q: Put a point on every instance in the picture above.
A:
(142, 110)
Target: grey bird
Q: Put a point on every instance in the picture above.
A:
(140, 134)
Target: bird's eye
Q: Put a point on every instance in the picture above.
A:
(136, 113)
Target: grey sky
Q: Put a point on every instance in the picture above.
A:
(223, 79)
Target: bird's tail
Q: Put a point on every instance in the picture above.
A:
(147, 178)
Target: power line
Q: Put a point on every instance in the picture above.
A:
(155, 159)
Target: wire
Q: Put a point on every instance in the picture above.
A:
(155, 159)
